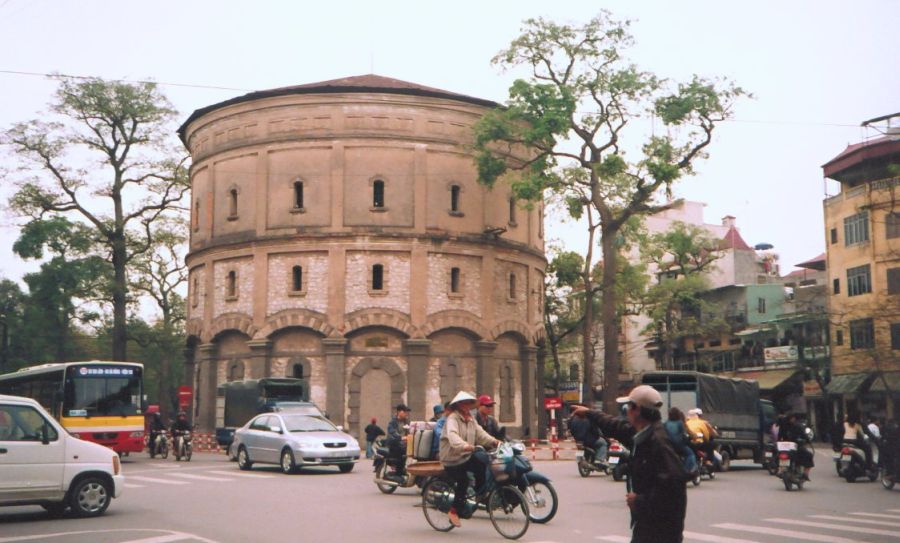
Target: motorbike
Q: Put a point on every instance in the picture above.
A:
(588, 461)
(386, 466)
(159, 445)
(770, 458)
(536, 487)
(853, 463)
(183, 447)
(619, 456)
(789, 470)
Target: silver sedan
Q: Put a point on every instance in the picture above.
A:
(293, 441)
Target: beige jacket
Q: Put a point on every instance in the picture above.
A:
(458, 433)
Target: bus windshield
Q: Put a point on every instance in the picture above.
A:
(103, 391)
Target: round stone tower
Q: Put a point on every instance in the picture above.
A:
(339, 234)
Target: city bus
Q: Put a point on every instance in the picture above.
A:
(95, 401)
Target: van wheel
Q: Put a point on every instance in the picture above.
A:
(243, 459)
(90, 497)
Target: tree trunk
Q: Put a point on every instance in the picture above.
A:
(119, 296)
(610, 321)
(587, 347)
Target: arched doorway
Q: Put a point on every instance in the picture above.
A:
(374, 398)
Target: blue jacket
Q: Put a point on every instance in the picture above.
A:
(436, 440)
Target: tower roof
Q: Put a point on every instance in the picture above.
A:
(358, 83)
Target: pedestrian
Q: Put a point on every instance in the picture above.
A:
(680, 440)
(372, 432)
(656, 495)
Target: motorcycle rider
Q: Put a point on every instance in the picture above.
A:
(702, 434)
(677, 431)
(485, 417)
(460, 436)
(180, 427)
(657, 495)
(588, 434)
(794, 429)
(396, 438)
(156, 428)
(855, 435)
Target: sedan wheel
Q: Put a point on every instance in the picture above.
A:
(243, 459)
(287, 462)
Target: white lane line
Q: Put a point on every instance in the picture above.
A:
(200, 477)
(129, 485)
(613, 538)
(714, 538)
(838, 527)
(878, 515)
(242, 474)
(860, 520)
(160, 539)
(784, 533)
(155, 480)
(894, 510)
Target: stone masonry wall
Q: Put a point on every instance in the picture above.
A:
(243, 302)
(358, 278)
(439, 296)
(313, 296)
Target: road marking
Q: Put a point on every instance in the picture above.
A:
(838, 527)
(894, 510)
(614, 538)
(200, 477)
(861, 520)
(154, 480)
(129, 485)
(160, 539)
(784, 533)
(170, 536)
(714, 538)
(879, 515)
(240, 474)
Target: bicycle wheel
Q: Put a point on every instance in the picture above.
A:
(437, 497)
(542, 502)
(509, 512)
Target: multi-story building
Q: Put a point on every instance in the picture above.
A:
(862, 231)
(339, 234)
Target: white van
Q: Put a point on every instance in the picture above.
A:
(42, 464)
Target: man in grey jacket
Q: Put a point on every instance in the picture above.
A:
(459, 438)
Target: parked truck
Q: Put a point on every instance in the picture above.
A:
(243, 400)
(733, 406)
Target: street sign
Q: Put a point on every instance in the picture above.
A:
(185, 397)
(553, 402)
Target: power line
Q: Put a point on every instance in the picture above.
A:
(164, 83)
(219, 87)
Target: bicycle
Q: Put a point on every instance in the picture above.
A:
(505, 504)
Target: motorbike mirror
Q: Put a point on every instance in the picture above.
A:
(45, 435)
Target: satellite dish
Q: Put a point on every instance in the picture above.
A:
(763, 246)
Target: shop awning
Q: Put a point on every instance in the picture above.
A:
(848, 383)
(756, 330)
(893, 383)
(768, 380)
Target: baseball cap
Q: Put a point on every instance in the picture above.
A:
(438, 409)
(643, 396)
(484, 399)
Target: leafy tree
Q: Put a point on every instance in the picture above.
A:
(582, 87)
(158, 274)
(12, 308)
(68, 286)
(562, 315)
(104, 158)
(681, 257)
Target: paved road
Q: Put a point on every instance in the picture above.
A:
(210, 500)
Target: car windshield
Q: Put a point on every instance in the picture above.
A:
(307, 423)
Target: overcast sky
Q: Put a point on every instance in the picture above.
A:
(817, 69)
